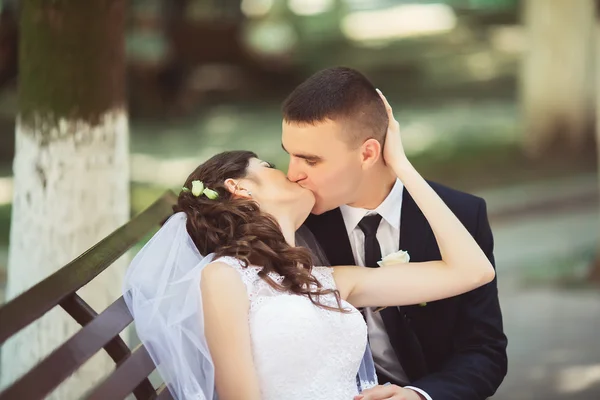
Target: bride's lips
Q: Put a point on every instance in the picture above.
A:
(295, 183)
(299, 184)
(305, 190)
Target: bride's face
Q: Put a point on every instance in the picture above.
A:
(272, 190)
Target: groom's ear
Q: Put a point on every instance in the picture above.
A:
(370, 152)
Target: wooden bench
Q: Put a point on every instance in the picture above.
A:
(98, 330)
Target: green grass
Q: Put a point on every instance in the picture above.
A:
(570, 271)
(5, 211)
(479, 165)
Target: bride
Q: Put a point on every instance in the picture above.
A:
(228, 307)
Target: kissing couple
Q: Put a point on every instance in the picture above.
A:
(397, 299)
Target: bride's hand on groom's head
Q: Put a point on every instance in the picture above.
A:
(388, 392)
(393, 150)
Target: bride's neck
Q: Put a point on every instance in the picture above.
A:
(288, 224)
(290, 217)
(288, 228)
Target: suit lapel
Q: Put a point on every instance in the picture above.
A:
(330, 231)
(414, 229)
(414, 236)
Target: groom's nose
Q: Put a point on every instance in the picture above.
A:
(294, 173)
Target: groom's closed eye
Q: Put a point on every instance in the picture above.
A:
(309, 159)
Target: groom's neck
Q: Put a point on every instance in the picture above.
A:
(375, 187)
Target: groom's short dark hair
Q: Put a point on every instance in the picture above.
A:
(341, 94)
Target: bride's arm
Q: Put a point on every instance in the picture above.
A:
(464, 266)
(225, 305)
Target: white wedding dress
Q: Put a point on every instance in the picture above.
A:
(302, 351)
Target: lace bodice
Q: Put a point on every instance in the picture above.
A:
(302, 351)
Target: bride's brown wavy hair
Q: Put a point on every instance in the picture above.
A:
(236, 227)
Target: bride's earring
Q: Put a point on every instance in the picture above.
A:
(236, 188)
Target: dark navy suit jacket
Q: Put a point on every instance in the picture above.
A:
(453, 349)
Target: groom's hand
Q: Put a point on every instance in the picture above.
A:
(388, 392)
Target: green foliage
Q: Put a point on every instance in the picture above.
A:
(5, 212)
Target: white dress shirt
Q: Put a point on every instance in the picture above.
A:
(388, 236)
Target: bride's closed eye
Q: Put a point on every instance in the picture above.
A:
(268, 164)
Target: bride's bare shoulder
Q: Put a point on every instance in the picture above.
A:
(227, 270)
(219, 271)
(222, 282)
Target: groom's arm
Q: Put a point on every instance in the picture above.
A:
(479, 363)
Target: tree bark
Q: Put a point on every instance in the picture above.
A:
(9, 41)
(595, 271)
(556, 94)
(71, 166)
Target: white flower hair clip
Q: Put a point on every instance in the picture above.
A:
(198, 189)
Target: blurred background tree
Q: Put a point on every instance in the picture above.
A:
(70, 166)
(558, 99)
(495, 97)
(9, 32)
(595, 272)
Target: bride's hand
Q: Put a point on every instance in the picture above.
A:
(393, 151)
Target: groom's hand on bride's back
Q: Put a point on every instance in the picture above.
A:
(388, 392)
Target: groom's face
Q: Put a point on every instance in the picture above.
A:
(322, 162)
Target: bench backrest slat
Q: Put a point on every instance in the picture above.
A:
(35, 302)
(77, 308)
(116, 348)
(133, 370)
(98, 330)
(84, 314)
(163, 393)
(69, 356)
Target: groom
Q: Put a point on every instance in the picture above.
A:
(451, 349)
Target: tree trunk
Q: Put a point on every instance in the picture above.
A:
(556, 94)
(9, 41)
(595, 271)
(70, 168)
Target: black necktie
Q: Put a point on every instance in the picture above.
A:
(369, 225)
(408, 349)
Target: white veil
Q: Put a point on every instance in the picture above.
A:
(162, 292)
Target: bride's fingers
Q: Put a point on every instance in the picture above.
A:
(388, 108)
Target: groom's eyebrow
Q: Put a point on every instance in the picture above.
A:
(309, 157)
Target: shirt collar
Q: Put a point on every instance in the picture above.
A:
(389, 209)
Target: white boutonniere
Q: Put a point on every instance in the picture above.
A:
(399, 257)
